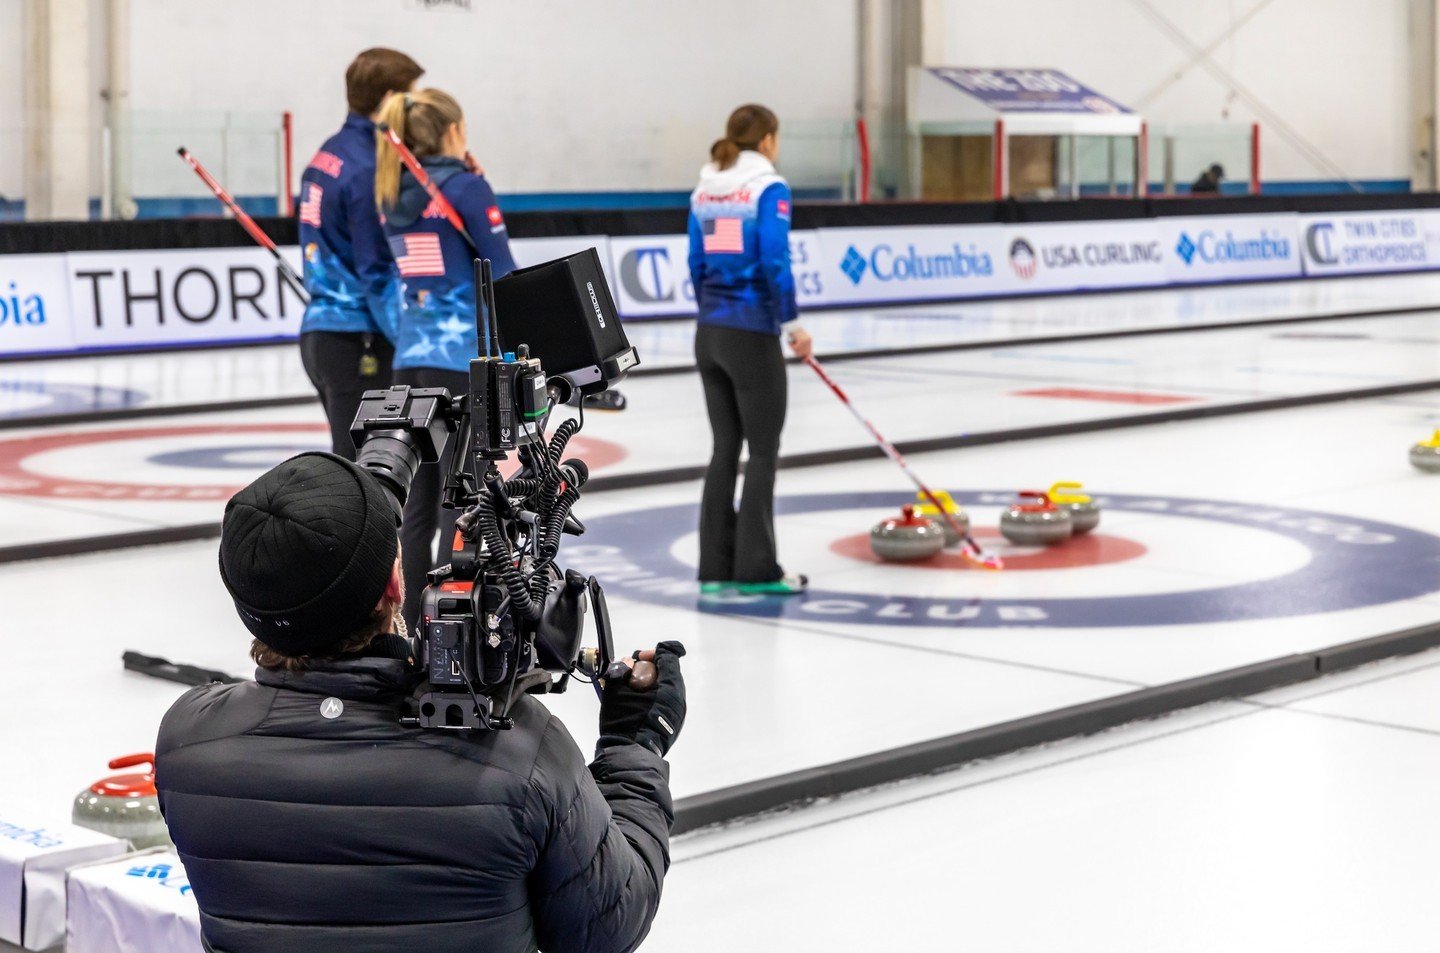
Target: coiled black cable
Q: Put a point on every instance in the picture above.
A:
(502, 562)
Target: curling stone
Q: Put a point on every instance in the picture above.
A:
(924, 508)
(1084, 512)
(1039, 521)
(124, 805)
(1425, 455)
(907, 538)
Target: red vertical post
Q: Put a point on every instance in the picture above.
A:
(998, 163)
(862, 143)
(287, 205)
(1142, 161)
(1254, 158)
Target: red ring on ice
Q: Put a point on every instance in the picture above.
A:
(16, 480)
(1078, 552)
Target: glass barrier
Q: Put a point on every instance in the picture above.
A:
(1179, 154)
(243, 150)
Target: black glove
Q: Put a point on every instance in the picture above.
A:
(652, 718)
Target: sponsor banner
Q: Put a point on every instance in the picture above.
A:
(867, 265)
(1370, 242)
(650, 275)
(1084, 255)
(1028, 90)
(1230, 247)
(33, 861)
(34, 304)
(181, 296)
(142, 902)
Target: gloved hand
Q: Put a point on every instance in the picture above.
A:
(651, 718)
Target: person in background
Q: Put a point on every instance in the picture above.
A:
(740, 266)
(437, 337)
(1209, 181)
(348, 268)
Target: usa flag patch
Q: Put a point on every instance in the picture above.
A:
(310, 208)
(417, 254)
(327, 163)
(723, 236)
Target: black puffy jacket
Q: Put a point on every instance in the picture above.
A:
(352, 833)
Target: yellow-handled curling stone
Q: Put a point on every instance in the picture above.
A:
(1425, 455)
(1084, 513)
(953, 535)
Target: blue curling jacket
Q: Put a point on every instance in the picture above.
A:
(436, 266)
(348, 269)
(740, 246)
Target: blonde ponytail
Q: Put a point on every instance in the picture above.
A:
(421, 120)
(387, 160)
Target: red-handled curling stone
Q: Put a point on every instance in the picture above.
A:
(124, 805)
(908, 538)
(1037, 522)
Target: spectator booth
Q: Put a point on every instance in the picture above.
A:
(982, 134)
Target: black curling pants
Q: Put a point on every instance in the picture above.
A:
(423, 514)
(743, 373)
(333, 362)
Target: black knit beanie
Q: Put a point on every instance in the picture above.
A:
(307, 550)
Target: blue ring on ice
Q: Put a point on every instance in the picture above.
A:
(232, 457)
(69, 398)
(1355, 563)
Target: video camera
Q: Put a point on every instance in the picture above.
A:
(502, 618)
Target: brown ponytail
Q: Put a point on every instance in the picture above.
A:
(421, 120)
(745, 128)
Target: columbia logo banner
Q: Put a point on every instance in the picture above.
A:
(1186, 249)
(418, 255)
(327, 163)
(310, 208)
(853, 264)
(724, 236)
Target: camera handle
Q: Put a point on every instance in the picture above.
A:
(641, 676)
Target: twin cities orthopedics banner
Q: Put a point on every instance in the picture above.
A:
(1370, 242)
(95, 301)
(650, 274)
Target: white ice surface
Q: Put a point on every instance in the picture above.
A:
(1283, 822)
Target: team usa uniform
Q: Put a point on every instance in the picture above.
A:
(437, 298)
(740, 246)
(349, 275)
(740, 266)
(437, 336)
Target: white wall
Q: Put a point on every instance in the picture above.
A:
(560, 95)
(1335, 71)
(12, 72)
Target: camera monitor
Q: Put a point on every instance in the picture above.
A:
(563, 310)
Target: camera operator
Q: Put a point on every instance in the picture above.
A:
(308, 818)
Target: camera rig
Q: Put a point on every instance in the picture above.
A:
(502, 618)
